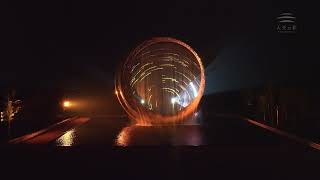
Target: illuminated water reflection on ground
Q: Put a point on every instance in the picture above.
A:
(67, 139)
(179, 135)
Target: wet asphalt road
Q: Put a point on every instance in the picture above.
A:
(223, 148)
(221, 132)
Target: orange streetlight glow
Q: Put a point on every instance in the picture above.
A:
(66, 104)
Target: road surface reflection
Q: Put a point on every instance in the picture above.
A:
(179, 135)
(67, 139)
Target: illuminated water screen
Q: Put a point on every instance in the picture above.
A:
(161, 81)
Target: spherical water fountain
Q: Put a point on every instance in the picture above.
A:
(161, 81)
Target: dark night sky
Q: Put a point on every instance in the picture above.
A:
(78, 44)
